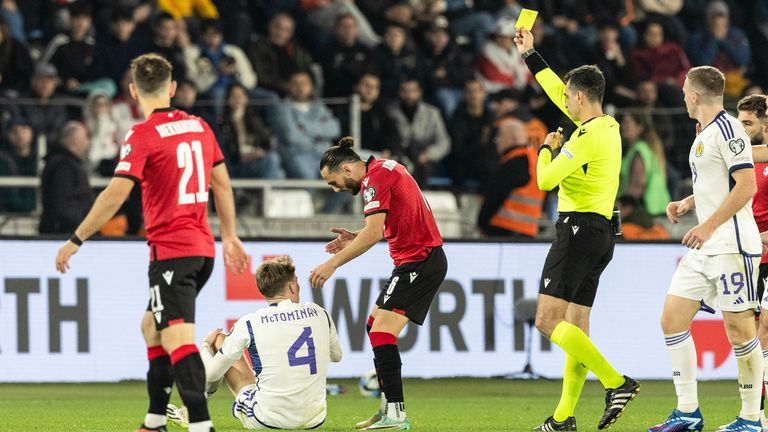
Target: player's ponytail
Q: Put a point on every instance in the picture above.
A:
(339, 154)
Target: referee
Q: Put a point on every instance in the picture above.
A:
(587, 172)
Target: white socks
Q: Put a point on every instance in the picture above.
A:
(395, 411)
(682, 356)
(751, 369)
(154, 421)
(765, 375)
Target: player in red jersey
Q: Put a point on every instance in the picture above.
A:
(396, 209)
(752, 114)
(175, 157)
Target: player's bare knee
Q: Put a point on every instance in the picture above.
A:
(739, 326)
(762, 329)
(673, 323)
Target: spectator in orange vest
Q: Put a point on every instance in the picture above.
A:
(636, 223)
(509, 103)
(513, 201)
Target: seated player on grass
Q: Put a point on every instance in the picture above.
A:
(289, 344)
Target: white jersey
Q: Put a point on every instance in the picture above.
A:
(721, 148)
(290, 346)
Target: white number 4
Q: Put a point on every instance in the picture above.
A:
(184, 156)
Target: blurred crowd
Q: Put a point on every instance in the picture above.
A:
(436, 81)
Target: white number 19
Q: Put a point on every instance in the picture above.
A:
(184, 156)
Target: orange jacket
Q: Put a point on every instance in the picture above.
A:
(632, 231)
(521, 210)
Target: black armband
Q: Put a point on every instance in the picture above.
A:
(545, 146)
(535, 61)
(76, 240)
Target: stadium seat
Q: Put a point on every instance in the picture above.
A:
(446, 211)
(285, 203)
(441, 201)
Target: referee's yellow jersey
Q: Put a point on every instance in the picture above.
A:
(587, 168)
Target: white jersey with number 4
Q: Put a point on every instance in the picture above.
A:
(290, 346)
(721, 148)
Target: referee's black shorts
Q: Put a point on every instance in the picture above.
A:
(581, 251)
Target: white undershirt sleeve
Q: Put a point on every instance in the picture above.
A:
(216, 365)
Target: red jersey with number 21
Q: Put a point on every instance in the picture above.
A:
(760, 201)
(410, 227)
(172, 155)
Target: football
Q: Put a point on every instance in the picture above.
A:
(369, 384)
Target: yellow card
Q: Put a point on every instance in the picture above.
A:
(526, 19)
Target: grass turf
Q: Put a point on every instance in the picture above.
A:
(433, 405)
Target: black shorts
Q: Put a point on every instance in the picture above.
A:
(763, 275)
(581, 251)
(173, 287)
(412, 286)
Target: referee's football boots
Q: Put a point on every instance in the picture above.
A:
(616, 401)
(680, 421)
(551, 424)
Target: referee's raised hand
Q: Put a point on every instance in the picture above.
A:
(523, 40)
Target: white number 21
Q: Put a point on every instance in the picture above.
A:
(184, 155)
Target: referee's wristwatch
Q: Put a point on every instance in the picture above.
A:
(528, 53)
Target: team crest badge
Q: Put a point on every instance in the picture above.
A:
(737, 145)
(699, 148)
(125, 150)
(368, 194)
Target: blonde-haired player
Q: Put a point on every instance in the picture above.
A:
(721, 267)
(290, 345)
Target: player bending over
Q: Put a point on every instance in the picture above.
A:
(289, 345)
(391, 196)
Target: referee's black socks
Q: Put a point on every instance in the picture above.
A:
(190, 380)
(388, 366)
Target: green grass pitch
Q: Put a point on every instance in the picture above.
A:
(433, 405)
